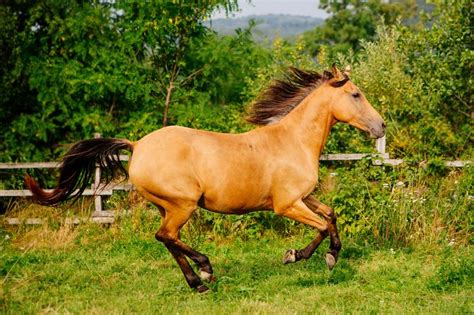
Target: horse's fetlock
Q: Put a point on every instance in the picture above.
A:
(203, 260)
(337, 245)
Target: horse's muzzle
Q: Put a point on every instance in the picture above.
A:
(377, 130)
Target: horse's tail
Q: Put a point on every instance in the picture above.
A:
(78, 167)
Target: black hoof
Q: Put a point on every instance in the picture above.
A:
(289, 257)
(330, 260)
(202, 288)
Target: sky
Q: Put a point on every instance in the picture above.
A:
(261, 7)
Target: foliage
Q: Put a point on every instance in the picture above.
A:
(352, 21)
(164, 30)
(83, 67)
(78, 72)
(399, 206)
(74, 69)
(225, 63)
(421, 84)
(442, 58)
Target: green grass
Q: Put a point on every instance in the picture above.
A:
(136, 275)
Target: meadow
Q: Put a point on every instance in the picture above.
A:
(92, 271)
(402, 258)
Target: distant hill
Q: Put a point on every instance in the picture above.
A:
(268, 26)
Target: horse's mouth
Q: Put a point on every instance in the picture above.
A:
(376, 134)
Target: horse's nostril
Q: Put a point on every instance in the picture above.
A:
(383, 125)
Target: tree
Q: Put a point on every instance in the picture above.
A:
(71, 68)
(167, 28)
(420, 81)
(352, 21)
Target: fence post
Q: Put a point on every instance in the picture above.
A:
(380, 145)
(95, 186)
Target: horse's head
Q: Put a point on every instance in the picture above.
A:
(349, 105)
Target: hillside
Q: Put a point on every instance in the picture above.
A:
(268, 26)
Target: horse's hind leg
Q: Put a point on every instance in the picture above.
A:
(191, 278)
(201, 260)
(168, 233)
(330, 216)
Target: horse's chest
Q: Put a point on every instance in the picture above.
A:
(296, 181)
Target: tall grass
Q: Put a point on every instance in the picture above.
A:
(386, 206)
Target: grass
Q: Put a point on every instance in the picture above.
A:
(105, 271)
(407, 248)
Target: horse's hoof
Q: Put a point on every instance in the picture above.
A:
(330, 261)
(206, 276)
(202, 288)
(289, 257)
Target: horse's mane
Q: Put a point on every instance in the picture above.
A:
(282, 96)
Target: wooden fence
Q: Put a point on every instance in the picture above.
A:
(98, 191)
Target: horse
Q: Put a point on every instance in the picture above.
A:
(273, 167)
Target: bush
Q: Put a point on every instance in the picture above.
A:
(420, 81)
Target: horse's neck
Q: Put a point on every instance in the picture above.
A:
(310, 123)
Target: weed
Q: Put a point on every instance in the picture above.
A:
(455, 271)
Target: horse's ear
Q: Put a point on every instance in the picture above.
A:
(340, 78)
(336, 73)
(347, 70)
(327, 75)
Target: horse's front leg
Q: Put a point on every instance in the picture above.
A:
(301, 213)
(330, 216)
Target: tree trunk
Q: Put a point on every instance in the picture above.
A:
(169, 90)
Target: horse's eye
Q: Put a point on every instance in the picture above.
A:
(356, 95)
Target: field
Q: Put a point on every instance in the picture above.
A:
(126, 68)
(119, 269)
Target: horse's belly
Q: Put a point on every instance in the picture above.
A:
(235, 201)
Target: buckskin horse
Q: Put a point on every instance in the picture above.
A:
(273, 167)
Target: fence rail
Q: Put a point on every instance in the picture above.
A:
(98, 191)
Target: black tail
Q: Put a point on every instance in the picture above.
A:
(78, 166)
